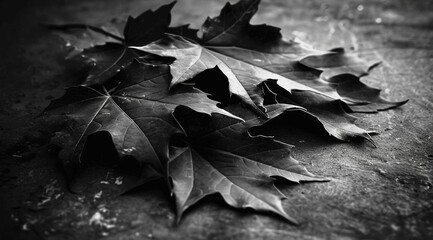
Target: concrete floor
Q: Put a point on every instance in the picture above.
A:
(376, 193)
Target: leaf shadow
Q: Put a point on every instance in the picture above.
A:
(100, 169)
(214, 82)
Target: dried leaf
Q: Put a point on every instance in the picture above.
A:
(108, 57)
(140, 92)
(135, 107)
(223, 158)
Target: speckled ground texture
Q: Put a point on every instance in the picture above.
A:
(375, 193)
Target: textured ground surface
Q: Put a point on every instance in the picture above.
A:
(376, 193)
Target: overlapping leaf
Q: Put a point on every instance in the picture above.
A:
(222, 158)
(249, 54)
(105, 48)
(136, 110)
(262, 46)
(144, 105)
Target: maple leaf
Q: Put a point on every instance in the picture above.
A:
(175, 131)
(328, 112)
(262, 46)
(249, 55)
(221, 157)
(135, 107)
(105, 48)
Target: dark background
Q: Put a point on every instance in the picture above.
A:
(376, 193)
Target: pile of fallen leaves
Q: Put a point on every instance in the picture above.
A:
(181, 105)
